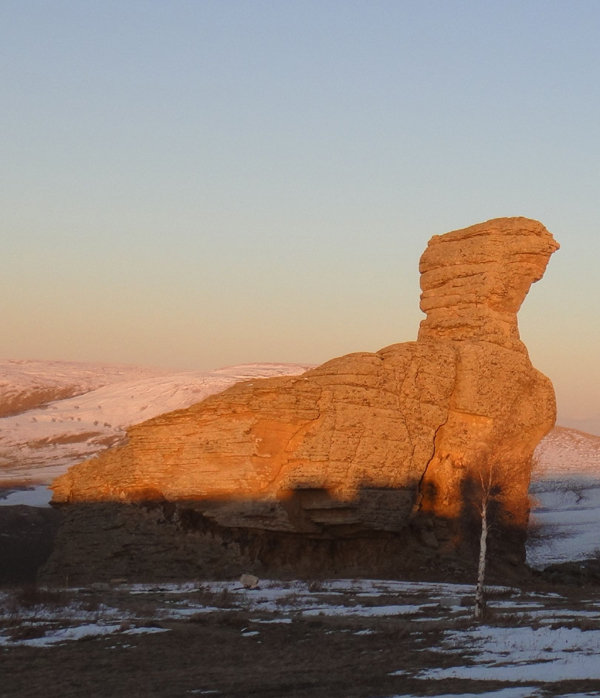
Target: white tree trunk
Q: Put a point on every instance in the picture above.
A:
(479, 591)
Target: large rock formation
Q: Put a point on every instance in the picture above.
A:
(356, 465)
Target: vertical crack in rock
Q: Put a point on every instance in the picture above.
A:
(419, 490)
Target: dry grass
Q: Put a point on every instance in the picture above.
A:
(31, 595)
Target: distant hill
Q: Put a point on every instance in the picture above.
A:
(567, 451)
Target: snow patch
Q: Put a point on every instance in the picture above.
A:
(522, 654)
(32, 497)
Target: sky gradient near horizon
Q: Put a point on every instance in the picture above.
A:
(197, 184)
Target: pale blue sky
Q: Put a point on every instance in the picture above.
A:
(195, 184)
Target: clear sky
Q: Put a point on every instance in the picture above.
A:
(196, 184)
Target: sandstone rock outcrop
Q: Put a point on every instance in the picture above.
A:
(379, 446)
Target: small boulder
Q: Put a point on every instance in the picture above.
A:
(249, 581)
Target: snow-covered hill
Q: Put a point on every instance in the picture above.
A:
(54, 414)
(26, 384)
(565, 493)
(69, 411)
(566, 451)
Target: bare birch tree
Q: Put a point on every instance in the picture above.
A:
(487, 492)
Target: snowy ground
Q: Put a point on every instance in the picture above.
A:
(532, 644)
(37, 496)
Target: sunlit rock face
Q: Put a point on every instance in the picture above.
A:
(367, 447)
(473, 283)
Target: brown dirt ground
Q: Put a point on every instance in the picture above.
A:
(209, 654)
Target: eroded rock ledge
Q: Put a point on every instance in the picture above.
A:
(350, 466)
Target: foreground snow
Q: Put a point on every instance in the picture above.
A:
(533, 641)
(522, 654)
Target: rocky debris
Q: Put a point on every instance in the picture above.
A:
(249, 581)
(370, 454)
(580, 573)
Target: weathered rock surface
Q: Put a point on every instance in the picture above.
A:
(363, 455)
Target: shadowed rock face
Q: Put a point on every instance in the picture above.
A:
(369, 444)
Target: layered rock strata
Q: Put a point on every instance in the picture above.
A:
(350, 466)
